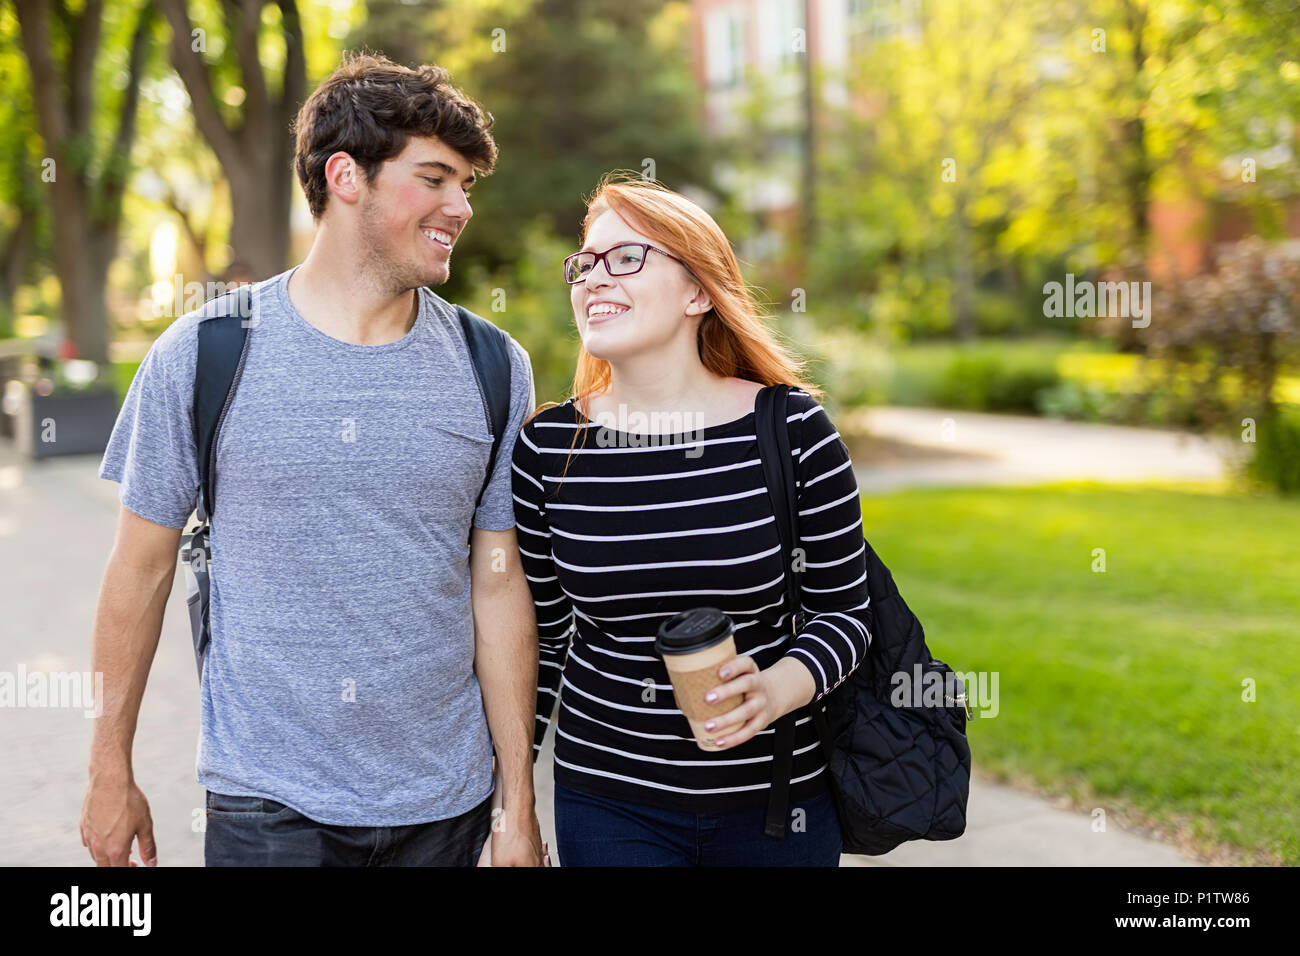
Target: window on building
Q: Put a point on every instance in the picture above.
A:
(777, 22)
(724, 38)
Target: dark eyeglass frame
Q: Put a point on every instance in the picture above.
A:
(645, 248)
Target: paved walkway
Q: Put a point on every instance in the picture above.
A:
(932, 446)
(56, 529)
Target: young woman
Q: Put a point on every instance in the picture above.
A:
(624, 521)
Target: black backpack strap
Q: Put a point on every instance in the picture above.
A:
(770, 411)
(222, 348)
(222, 334)
(489, 352)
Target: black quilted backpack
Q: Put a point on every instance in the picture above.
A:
(897, 773)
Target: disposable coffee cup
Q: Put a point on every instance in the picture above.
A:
(693, 645)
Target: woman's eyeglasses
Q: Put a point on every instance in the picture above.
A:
(625, 259)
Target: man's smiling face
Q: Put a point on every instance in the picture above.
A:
(414, 211)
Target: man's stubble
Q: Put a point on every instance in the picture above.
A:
(390, 270)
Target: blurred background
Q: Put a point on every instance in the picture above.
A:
(1044, 258)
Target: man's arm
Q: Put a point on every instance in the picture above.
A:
(505, 660)
(128, 623)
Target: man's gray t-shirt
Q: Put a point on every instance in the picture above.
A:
(339, 679)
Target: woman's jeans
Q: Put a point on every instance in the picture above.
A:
(598, 831)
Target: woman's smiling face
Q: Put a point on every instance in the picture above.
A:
(622, 316)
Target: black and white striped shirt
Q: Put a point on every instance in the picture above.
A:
(645, 526)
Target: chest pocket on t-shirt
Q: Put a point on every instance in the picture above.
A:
(463, 458)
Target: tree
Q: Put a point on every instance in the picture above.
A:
(248, 125)
(85, 176)
(24, 222)
(1223, 339)
(577, 88)
(398, 28)
(924, 178)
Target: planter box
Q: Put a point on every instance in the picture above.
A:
(76, 423)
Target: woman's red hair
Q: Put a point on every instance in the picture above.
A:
(734, 339)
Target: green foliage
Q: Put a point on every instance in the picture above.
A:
(910, 306)
(530, 300)
(25, 227)
(1073, 400)
(1062, 124)
(123, 374)
(983, 376)
(853, 371)
(1225, 338)
(1276, 462)
(941, 163)
(988, 383)
(1000, 312)
(581, 88)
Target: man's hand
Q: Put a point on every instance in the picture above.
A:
(518, 843)
(505, 661)
(113, 814)
(128, 622)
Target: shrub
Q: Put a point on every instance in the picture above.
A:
(1225, 339)
(1277, 451)
(1074, 400)
(1017, 389)
(1000, 313)
(987, 383)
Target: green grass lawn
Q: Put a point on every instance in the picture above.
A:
(123, 373)
(1123, 689)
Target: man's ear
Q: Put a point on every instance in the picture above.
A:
(342, 175)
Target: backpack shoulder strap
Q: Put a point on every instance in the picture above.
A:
(489, 353)
(770, 413)
(222, 348)
(222, 335)
(778, 471)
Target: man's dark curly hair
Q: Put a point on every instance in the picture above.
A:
(368, 108)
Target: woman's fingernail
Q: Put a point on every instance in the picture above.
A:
(710, 697)
(709, 725)
(724, 673)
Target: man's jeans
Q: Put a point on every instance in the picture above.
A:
(599, 831)
(252, 831)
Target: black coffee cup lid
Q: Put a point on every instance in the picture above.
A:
(693, 630)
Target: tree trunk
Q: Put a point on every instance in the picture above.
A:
(259, 228)
(1136, 159)
(86, 212)
(963, 274)
(13, 262)
(255, 155)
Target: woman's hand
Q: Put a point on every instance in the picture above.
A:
(769, 695)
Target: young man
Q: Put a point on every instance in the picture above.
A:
(372, 633)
